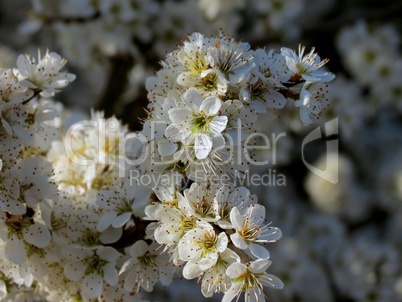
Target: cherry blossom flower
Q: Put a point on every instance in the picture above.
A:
(43, 74)
(201, 246)
(250, 278)
(306, 66)
(145, 267)
(94, 266)
(251, 231)
(198, 122)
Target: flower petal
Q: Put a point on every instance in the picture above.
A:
(110, 274)
(105, 221)
(236, 218)
(211, 105)
(259, 266)
(15, 250)
(173, 133)
(218, 124)
(193, 99)
(108, 253)
(92, 286)
(138, 249)
(238, 241)
(111, 235)
(259, 251)
(121, 220)
(202, 146)
(271, 281)
(179, 115)
(235, 269)
(74, 270)
(191, 270)
(222, 242)
(232, 292)
(37, 235)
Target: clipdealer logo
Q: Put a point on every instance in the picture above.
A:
(332, 148)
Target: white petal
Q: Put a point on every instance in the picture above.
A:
(193, 99)
(191, 270)
(303, 113)
(235, 269)
(188, 251)
(255, 295)
(202, 146)
(105, 221)
(275, 100)
(238, 241)
(37, 266)
(258, 251)
(232, 292)
(127, 265)
(128, 281)
(222, 242)
(92, 286)
(7, 126)
(273, 234)
(230, 256)
(3, 289)
(173, 133)
(208, 261)
(271, 281)
(37, 235)
(211, 105)
(165, 194)
(15, 250)
(179, 115)
(46, 115)
(74, 270)
(225, 224)
(108, 253)
(110, 274)
(164, 235)
(150, 211)
(121, 220)
(153, 129)
(258, 106)
(138, 249)
(236, 218)
(24, 66)
(259, 266)
(256, 214)
(319, 76)
(111, 235)
(218, 124)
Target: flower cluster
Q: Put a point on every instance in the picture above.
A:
(208, 94)
(76, 224)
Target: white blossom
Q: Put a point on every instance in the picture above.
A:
(250, 278)
(44, 73)
(251, 231)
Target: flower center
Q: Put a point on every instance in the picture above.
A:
(95, 264)
(16, 223)
(209, 82)
(204, 208)
(248, 280)
(188, 223)
(124, 206)
(197, 64)
(201, 122)
(249, 233)
(147, 260)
